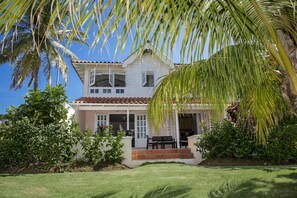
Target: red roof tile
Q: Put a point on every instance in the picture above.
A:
(86, 61)
(107, 100)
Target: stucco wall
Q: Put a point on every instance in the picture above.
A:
(90, 121)
(127, 151)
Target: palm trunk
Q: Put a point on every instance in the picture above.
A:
(36, 79)
(288, 92)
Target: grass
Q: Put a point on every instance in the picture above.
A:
(157, 180)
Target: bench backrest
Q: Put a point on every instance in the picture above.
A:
(162, 138)
(157, 138)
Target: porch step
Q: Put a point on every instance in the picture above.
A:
(153, 154)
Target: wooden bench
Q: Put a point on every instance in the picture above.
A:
(162, 141)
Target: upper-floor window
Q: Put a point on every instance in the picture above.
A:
(102, 80)
(107, 79)
(148, 79)
(119, 80)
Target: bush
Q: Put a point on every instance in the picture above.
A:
(103, 148)
(226, 140)
(281, 147)
(38, 132)
(25, 144)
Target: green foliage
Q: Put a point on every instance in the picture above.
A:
(38, 132)
(227, 140)
(36, 47)
(103, 148)
(46, 106)
(281, 145)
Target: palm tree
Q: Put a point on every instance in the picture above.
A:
(30, 47)
(252, 47)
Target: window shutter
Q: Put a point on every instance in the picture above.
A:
(111, 78)
(143, 78)
(92, 77)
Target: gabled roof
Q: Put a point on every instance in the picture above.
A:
(147, 48)
(79, 65)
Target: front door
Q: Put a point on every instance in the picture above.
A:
(141, 130)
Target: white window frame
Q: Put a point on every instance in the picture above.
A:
(101, 120)
(111, 78)
(143, 78)
(92, 78)
(141, 126)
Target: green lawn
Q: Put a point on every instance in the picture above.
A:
(157, 180)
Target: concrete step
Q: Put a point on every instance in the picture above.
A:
(154, 154)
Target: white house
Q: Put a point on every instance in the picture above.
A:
(117, 93)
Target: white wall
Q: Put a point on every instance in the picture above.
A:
(133, 73)
(127, 149)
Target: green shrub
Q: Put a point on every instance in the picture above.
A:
(24, 144)
(226, 140)
(38, 132)
(103, 148)
(281, 147)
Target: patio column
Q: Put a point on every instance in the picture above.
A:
(128, 119)
(177, 128)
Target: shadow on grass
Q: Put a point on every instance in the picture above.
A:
(257, 188)
(105, 195)
(166, 192)
(290, 176)
(268, 168)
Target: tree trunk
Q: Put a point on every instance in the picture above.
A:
(290, 47)
(35, 86)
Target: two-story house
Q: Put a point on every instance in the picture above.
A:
(118, 93)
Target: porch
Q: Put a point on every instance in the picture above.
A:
(156, 154)
(137, 156)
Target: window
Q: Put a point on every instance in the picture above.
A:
(102, 80)
(141, 126)
(101, 120)
(108, 79)
(148, 79)
(120, 91)
(94, 91)
(92, 77)
(106, 90)
(120, 80)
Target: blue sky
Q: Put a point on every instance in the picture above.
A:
(74, 88)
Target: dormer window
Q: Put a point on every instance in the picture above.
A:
(148, 79)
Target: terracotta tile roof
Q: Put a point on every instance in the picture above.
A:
(110, 100)
(121, 100)
(86, 61)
